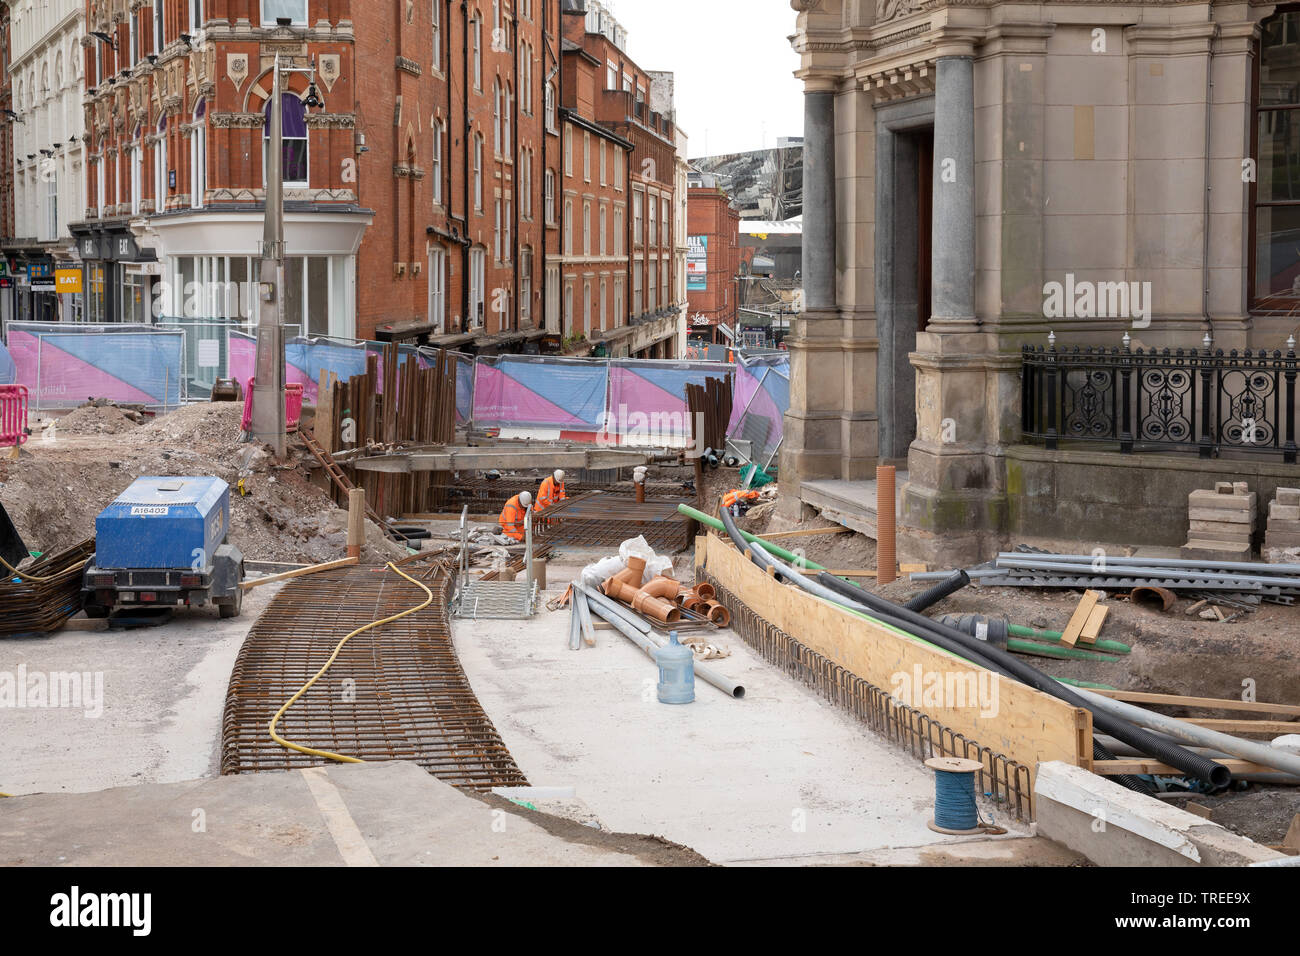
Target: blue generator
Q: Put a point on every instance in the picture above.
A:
(163, 542)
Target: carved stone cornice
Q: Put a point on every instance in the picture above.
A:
(899, 83)
(331, 120)
(406, 65)
(236, 120)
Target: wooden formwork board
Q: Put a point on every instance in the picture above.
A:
(1024, 724)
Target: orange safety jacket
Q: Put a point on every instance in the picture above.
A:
(549, 493)
(512, 519)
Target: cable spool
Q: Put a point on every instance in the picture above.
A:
(955, 811)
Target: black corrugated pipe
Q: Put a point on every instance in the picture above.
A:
(949, 585)
(979, 652)
(1128, 780)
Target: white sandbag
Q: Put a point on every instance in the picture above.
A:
(594, 575)
(660, 565)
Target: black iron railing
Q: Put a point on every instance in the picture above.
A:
(1182, 399)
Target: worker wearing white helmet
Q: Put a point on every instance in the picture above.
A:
(552, 490)
(514, 515)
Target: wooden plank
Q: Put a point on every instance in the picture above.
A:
(1270, 727)
(1080, 617)
(1092, 627)
(902, 569)
(803, 533)
(1199, 810)
(1027, 725)
(1292, 838)
(341, 563)
(1143, 765)
(1205, 703)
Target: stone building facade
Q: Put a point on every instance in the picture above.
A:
(969, 165)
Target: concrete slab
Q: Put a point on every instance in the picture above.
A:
(851, 503)
(157, 718)
(780, 774)
(374, 814)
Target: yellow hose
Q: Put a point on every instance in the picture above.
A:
(307, 686)
(32, 577)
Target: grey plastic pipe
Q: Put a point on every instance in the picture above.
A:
(584, 617)
(575, 625)
(609, 610)
(1190, 733)
(626, 629)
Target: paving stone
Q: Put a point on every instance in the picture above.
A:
(1221, 514)
(1208, 499)
(1203, 550)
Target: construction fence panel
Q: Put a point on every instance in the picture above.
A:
(647, 398)
(762, 397)
(540, 392)
(65, 364)
(305, 358)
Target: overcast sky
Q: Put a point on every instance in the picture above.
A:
(734, 67)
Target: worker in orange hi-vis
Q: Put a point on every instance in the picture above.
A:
(514, 514)
(552, 490)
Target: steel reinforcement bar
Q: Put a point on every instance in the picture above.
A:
(395, 693)
(1004, 781)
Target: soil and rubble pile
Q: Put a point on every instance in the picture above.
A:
(96, 420)
(55, 490)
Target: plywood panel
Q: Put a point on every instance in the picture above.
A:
(1024, 724)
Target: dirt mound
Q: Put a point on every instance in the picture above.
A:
(56, 489)
(95, 420)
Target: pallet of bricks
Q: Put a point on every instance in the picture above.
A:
(397, 405)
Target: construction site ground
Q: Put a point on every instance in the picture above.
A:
(779, 777)
(1173, 653)
(69, 472)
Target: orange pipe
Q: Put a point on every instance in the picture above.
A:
(662, 586)
(886, 531)
(633, 573)
(705, 590)
(643, 603)
(718, 614)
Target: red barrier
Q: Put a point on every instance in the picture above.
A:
(13, 414)
(292, 406)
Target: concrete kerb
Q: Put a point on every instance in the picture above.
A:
(1114, 826)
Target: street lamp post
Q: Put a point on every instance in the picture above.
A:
(268, 391)
(268, 424)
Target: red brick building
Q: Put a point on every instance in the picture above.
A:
(615, 261)
(431, 151)
(416, 139)
(460, 138)
(713, 260)
(176, 105)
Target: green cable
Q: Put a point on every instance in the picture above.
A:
(1115, 647)
(1060, 653)
(1083, 683)
(794, 559)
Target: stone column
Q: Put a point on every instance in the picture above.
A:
(811, 446)
(819, 200)
(953, 246)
